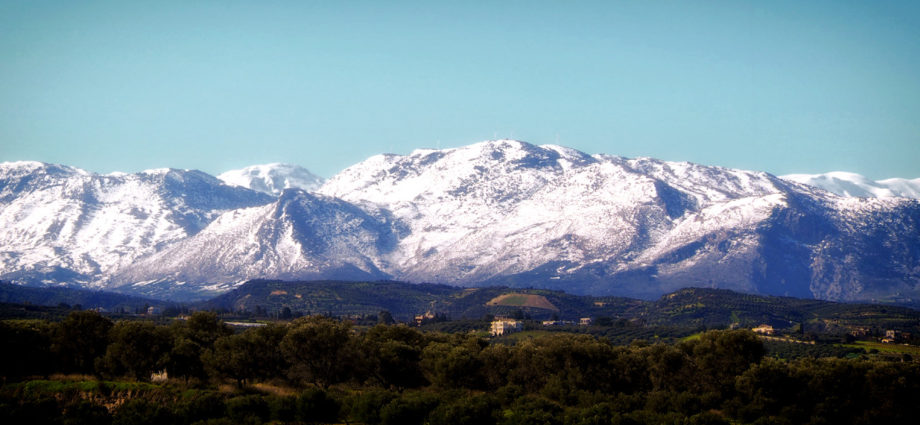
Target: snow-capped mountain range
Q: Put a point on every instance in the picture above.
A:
(65, 225)
(852, 184)
(497, 212)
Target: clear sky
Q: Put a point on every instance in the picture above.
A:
(798, 86)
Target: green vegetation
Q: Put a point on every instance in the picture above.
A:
(317, 369)
(638, 362)
(692, 308)
(913, 350)
(404, 300)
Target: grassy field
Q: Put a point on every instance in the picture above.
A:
(524, 335)
(886, 348)
(523, 300)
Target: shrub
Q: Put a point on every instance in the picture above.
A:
(142, 412)
(365, 407)
(474, 410)
(205, 406)
(248, 409)
(86, 413)
(410, 408)
(283, 408)
(316, 406)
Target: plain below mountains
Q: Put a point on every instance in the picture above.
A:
(686, 308)
(494, 213)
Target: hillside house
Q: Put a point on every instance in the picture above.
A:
(584, 321)
(419, 318)
(501, 326)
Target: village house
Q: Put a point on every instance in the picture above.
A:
(859, 331)
(893, 336)
(501, 326)
(585, 321)
(419, 318)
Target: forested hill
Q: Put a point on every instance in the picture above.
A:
(690, 307)
(712, 307)
(686, 307)
(87, 299)
(405, 300)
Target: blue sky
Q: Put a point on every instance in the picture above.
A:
(776, 86)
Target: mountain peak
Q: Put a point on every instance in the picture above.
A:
(844, 183)
(20, 168)
(273, 178)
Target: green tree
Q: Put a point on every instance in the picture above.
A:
(317, 406)
(365, 406)
(770, 389)
(253, 354)
(184, 360)
(81, 338)
(28, 348)
(248, 409)
(495, 361)
(191, 339)
(532, 410)
(720, 356)
(137, 349)
(453, 364)
(320, 350)
(479, 409)
(204, 328)
(670, 369)
(410, 408)
(202, 406)
(385, 318)
(392, 355)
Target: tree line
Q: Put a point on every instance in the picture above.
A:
(393, 374)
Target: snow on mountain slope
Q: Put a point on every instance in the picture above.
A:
(508, 212)
(65, 225)
(852, 184)
(299, 236)
(273, 178)
(505, 207)
(498, 212)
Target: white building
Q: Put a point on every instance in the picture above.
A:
(501, 326)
